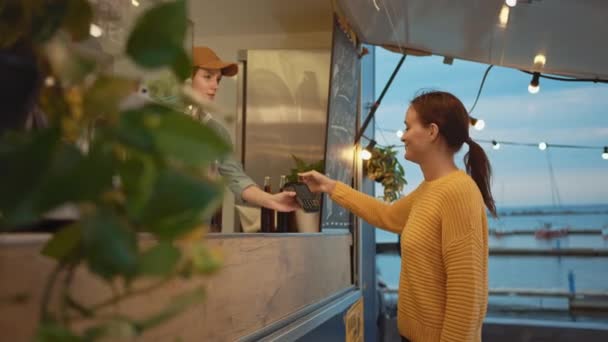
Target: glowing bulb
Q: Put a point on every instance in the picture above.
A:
(542, 146)
(135, 3)
(49, 81)
(605, 154)
(365, 155)
(503, 16)
(533, 89)
(534, 86)
(95, 31)
(479, 125)
(495, 145)
(399, 133)
(540, 59)
(511, 3)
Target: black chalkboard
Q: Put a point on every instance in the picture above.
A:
(343, 102)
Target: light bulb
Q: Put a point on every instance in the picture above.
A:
(135, 3)
(605, 154)
(540, 59)
(49, 81)
(542, 146)
(365, 155)
(533, 89)
(479, 125)
(503, 16)
(534, 86)
(495, 145)
(95, 31)
(511, 3)
(399, 133)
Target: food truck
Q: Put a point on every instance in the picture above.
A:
(305, 89)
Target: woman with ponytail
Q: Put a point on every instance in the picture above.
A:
(443, 287)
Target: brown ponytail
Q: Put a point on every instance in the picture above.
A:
(448, 113)
(478, 166)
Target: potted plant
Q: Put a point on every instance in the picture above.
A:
(144, 170)
(305, 222)
(384, 168)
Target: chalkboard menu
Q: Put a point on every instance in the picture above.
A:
(341, 124)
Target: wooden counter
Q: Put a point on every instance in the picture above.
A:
(264, 278)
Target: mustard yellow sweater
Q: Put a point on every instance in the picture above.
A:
(443, 286)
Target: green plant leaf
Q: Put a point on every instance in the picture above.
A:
(75, 178)
(173, 135)
(63, 243)
(302, 166)
(52, 332)
(158, 36)
(109, 245)
(24, 159)
(105, 95)
(138, 175)
(115, 329)
(203, 262)
(159, 260)
(77, 19)
(179, 203)
(182, 65)
(178, 305)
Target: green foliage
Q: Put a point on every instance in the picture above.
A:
(126, 171)
(302, 166)
(157, 39)
(384, 168)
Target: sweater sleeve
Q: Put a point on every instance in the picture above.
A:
(391, 217)
(464, 256)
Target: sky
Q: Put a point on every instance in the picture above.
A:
(561, 113)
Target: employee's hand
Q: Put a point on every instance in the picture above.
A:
(317, 182)
(284, 201)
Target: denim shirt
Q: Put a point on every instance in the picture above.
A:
(229, 168)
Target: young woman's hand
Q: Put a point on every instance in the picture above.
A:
(317, 182)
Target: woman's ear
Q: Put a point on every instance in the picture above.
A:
(433, 131)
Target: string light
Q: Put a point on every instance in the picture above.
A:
(540, 60)
(511, 3)
(534, 86)
(135, 3)
(503, 16)
(399, 133)
(496, 145)
(49, 81)
(366, 153)
(95, 31)
(478, 124)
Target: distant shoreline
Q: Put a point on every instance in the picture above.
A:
(551, 213)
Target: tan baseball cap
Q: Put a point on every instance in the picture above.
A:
(204, 57)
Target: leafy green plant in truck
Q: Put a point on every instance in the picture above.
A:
(143, 169)
(303, 166)
(384, 168)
